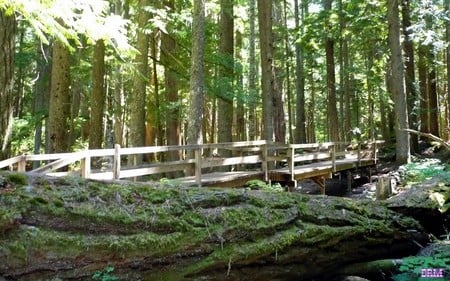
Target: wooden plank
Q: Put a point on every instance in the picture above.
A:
(312, 156)
(218, 179)
(153, 170)
(11, 161)
(59, 163)
(215, 162)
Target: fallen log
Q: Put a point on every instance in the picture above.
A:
(71, 228)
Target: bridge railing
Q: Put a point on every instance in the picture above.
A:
(80, 163)
(262, 153)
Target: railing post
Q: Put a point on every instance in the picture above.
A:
(333, 157)
(116, 162)
(86, 166)
(291, 162)
(22, 164)
(198, 166)
(375, 152)
(264, 163)
(359, 154)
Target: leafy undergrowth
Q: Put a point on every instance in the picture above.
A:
(424, 169)
(431, 264)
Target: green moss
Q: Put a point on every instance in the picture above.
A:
(37, 200)
(17, 178)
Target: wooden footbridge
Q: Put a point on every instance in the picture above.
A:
(263, 160)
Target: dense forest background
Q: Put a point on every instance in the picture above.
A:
(89, 73)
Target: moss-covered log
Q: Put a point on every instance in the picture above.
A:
(70, 228)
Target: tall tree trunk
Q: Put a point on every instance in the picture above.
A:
(98, 95)
(401, 110)
(300, 125)
(447, 36)
(423, 86)
(279, 119)
(173, 122)
(241, 131)
(154, 122)
(59, 112)
(346, 91)
(226, 95)
(41, 95)
(370, 93)
(332, 114)
(267, 65)
(7, 48)
(432, 93)
(287, 66)
(138, 94)
(118, 105)
(252, 74)
(410, 79)
(197, 75)
(311, 120)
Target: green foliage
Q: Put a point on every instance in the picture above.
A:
(261, 185)
(23, 138)
(17, 178)
(411, 268)
(105, 274)
(421, 170)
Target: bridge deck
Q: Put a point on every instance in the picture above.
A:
(301, 172)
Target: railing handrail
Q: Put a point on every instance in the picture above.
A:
(259, 146)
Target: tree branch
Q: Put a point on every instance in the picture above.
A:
(430, 136)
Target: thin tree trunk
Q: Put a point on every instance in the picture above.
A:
(138, 94)
(197, 75)
(226, 70)
(432, 94)
(173, 122)
(59, 112)
(311, 128)
(252, 74)
(402, 137)
(423, 86)
(241, 131)
(447, 57)
(410, 80)
(98, 96)
(279, 119)
(41, 95)
(346, 92)
(287, 67)
(7, 49)
(267, 66)
(332, 114)
(300, 131)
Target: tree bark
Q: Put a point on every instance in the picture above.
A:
(332, 114)
(253, 95)
(59, 112)
(410, 80)
(300, 127)
(70, 228)
(7, 49)
(226, 71)
(197, 75)
(41, 96)
(98, 96)
(401, 110)
(173, 117)
(267, 66)
(138, 94)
